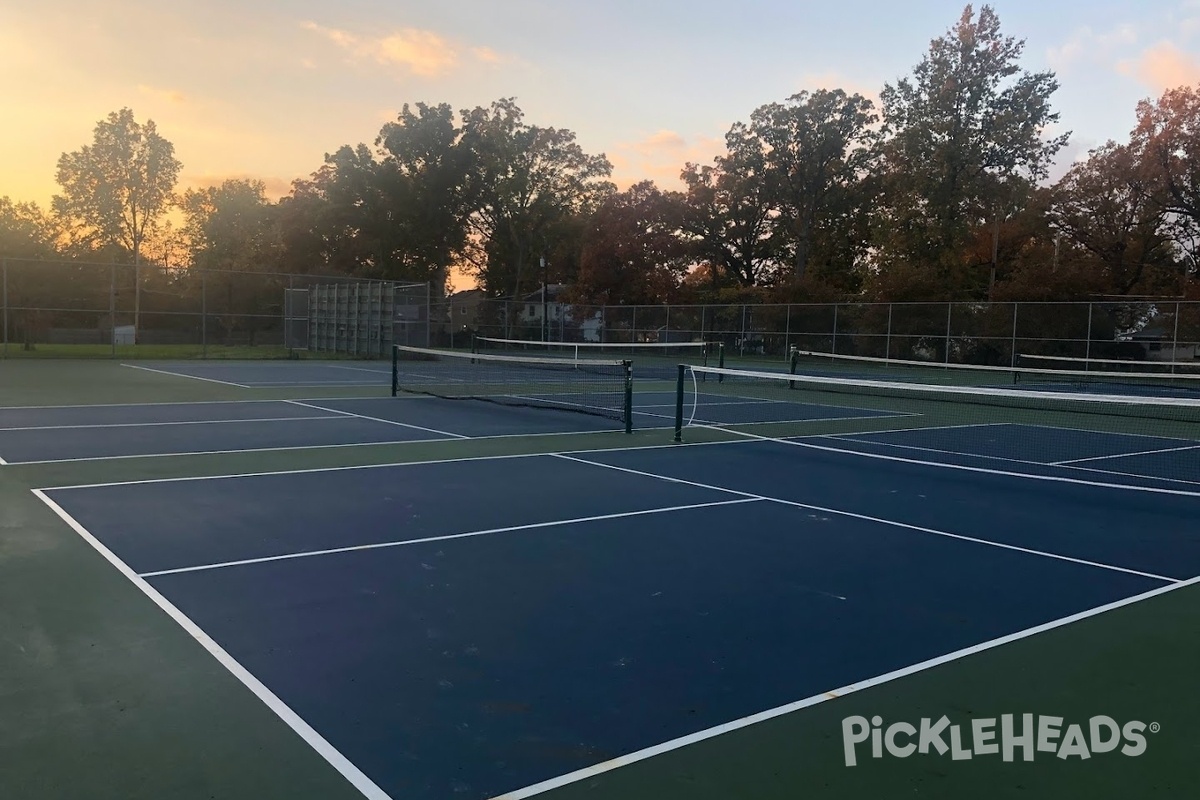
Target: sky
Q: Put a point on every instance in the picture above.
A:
(264, 88)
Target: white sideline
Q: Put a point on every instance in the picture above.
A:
(327, 751)
(832, 694)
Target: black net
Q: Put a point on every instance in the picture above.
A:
(653, 360)
(594, 386)
(1115, 432)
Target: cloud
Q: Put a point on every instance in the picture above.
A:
(660, 157)
(274, 187)
(833, 80)
(1086, 44)
(172, 96)
(419, 52)
(1163, 66)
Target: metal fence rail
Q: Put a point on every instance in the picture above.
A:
(76, 308)
(54, 308)
(969, 333)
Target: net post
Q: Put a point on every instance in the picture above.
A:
(627, 409)
(720, 361)
(395, 370)
(793, 364)
(681, 375)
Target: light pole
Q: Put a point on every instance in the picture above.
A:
(545, 319)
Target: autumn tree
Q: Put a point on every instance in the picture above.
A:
(525, 181)
(25, 231)
(120, 185)
(816, 149)
(729, 218)
(1112, 206)
(631, 249)
(227, 226)
(1168, 135)
(958, 132)
(425, 168)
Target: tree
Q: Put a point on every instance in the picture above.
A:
(120, 185)
(958, 133)
(427, 163)
(815, 149)
(632, 252)
(525, 180)
(25, 231)
(1168, 134)
(226, 226)
(1112, 206)
(730, 220)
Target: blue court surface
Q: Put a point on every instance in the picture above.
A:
(49, 434)
(466, 628)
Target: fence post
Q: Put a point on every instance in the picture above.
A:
(887, 342)
(949, 311)
(703, 327)
(1012, 356)
(1087, 351)
(835, 310)
(667, 326)
(633, 325)
(742, 341)
(787, 332)
(204, 315)
(112, 312)
(4, 301)
(1175, 339)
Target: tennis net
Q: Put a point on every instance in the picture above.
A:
(653, 359)
(1035, 373)
(781, 404)
(598, 387)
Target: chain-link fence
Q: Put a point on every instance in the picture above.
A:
(79, 309)
(72, 308)
(965, 333)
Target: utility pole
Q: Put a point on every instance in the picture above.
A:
(995, 256)
(545, 286)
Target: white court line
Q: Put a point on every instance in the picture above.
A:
(832, 694)
(161, 424)
(183, 375)
(377, 419)
(1127, 455)
(384, 371)
(387, 443)
(1090, 430)
(879, 520)
(153, 405)
(3, 463)
(747, 438)
(444, 538)
(293, 720)
(849, 437)
(307, 384)
(962, 467)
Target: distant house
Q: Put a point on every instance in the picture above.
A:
(530, 306)
(463, 310)
(1157, 345)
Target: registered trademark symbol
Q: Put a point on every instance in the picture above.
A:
(1155, 727)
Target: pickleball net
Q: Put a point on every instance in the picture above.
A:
(653, 359)
(600, 387)
(1031, 372)
(781, 404)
